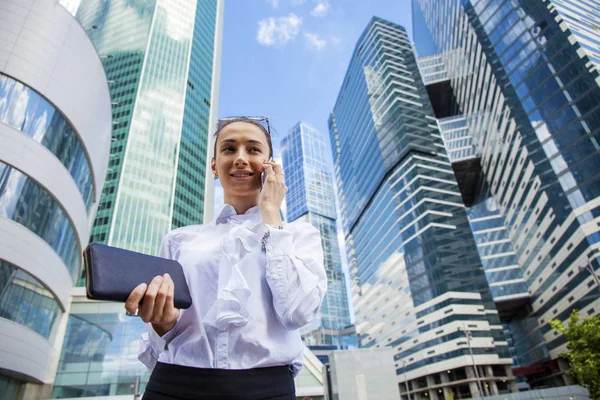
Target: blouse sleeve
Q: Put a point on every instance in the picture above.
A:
(151, 343)
(295, 273)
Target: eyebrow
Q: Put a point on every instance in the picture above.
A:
(252, 141)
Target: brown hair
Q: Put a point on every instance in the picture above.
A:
(223, 124)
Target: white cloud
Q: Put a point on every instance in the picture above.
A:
(314, 42)
(273, 3)
(278, 31)
(297, 2)
(320, 9)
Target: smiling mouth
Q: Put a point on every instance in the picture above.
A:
(244, 175)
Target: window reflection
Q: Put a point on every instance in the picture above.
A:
(99, 357)
(24, 300)
(26, 202)
(26, 110)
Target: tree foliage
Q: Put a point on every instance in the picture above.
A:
(583, 347)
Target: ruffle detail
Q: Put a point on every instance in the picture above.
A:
(233, 292)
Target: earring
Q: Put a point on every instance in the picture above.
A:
(216, 177)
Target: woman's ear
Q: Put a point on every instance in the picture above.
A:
(213, 166)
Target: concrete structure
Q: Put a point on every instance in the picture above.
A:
(524, 75)
(362, 374)
(417, 279)
(55, 126)
(311, 198)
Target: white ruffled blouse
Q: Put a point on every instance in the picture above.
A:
(250, 295)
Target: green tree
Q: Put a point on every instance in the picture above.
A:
(583, 350)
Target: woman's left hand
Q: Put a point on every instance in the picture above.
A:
(272, 193)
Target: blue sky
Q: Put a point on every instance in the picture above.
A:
(286, 59)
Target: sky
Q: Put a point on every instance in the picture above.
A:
(286, 59)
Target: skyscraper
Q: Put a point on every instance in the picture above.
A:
(418, 283)
(311, 198)
(55, 129)
(162, 61)
(525, 77)
(497, 254)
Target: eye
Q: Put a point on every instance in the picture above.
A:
(227, 148)
(256, 150)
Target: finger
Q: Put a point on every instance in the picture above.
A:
(161, 298)
(147, 308)
(133, 301)
(171, 297)
(269, 169)
(278, 170)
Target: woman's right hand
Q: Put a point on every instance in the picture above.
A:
(157, 303)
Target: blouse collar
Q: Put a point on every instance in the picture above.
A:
(227, 212)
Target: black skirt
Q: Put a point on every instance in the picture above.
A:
(169, 381)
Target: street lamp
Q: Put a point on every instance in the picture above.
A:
(590, 269)
(469, 336)
(405, 381)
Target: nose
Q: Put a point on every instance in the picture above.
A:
(241, 159)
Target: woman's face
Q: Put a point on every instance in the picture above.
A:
(241, 150)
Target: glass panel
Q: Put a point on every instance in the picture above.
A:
(24, 201)
(26, 110)
(25, 300)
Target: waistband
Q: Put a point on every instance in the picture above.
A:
(207, 383)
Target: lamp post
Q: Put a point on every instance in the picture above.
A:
(469, 336)
(405, 380)
(590, 269)
(136, 389)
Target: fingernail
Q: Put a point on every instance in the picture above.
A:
(157, 278)
(166, 276)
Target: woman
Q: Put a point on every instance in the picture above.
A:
(254, 282)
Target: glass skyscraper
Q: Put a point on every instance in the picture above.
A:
(161, 59)
(525, 77)
(418, 284)
(311, 198)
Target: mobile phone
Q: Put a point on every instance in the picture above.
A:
(263, 175)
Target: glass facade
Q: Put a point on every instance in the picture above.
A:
(528, 86)
(412, 256)
(119, 30)
(583, 19)
(24, 201)
(311, 197)
(158, 57)
(27, 111)
(99, 355)
(496, 252)
(26, 301)
(10, 388)
(191, 168)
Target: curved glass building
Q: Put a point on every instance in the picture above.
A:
(55, 126)
(418, 283)
(525, 76)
